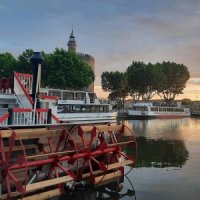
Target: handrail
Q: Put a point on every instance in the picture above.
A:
(22, 86)
(40, 118)
(22, 74)
(24, 116)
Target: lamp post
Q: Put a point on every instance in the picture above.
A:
(36, 60)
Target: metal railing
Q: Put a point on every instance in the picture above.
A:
(18, 117)
(23, 88)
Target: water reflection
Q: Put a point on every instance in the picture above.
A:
(158, 128)
(122, 189)
(161, 143)
(161, 153)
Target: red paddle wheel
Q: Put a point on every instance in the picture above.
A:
(43, 161)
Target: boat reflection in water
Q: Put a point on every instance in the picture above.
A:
(160, 142)
(161, 153)
(121, 189)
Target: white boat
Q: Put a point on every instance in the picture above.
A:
(52, 106)
(158, 110)
(71, 106)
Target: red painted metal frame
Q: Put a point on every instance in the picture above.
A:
(49, 97)
(55, 118)
(85, 152)
(4, 117)
(6, 165)
(23, 88)
(22, 74)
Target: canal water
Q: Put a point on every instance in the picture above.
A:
(168, 167)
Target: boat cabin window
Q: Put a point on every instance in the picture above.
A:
(140, 108)
(55, 93)
(66, 108)
(43, 93)
(68, 95)
(154, 109)
(92, 96)
(162, 109)
(80, 95)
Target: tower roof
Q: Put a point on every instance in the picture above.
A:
(72, 34)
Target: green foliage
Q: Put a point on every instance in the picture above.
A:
(142, 80)
(174, 80)
(65, 70)
(61, 69)
(116, 84)
(23, 64)
(7, 64)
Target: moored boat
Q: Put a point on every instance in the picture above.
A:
(72, 106)
(54, 106)
(158, 110)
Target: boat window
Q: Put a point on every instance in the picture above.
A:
(154, 108)
(43, 93)
(93, 109)
(162, 109)
(54, 93)
(92, 97)
(64, 108)
(68, 95)
(80, 95)
(140, 108)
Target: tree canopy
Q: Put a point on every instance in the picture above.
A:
(7, 64)
(65, 70)
(24, 65)
(116, 84)
(61, 69)
(143, 81)
(174, 80)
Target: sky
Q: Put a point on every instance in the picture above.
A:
(114, 32)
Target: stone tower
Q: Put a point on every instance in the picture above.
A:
(84, 57)
(72, 43)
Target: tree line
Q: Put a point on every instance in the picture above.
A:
(61, 69)
(142, 81)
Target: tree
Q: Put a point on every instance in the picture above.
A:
(174, 80)
(65, 70)
(7, 64)
(116, 84)
(23, 64)
(152, 78)
(135, 78)
(142, 80)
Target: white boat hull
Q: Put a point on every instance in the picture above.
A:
(146, 114)
(74, 117)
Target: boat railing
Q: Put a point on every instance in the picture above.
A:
(23, 89)
(18, 117)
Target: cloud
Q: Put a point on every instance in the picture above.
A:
(114, 32)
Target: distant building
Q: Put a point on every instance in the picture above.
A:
(84, 57)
